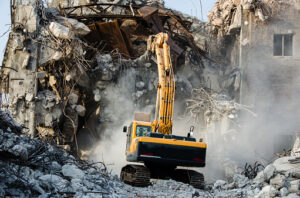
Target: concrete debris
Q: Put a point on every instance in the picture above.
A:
(54, 181)
(296, 148)
(60, 31)
(284, 192)
(77, 27)
(48, 120)
(269, 172)
(294, 186)
(8, 123)
(209, 107)
(97, 96)
(70, 170)
(80, 110)
(267, 191)
(56, 56)
(278, 181)
(73, 98)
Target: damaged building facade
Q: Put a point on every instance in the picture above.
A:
(259, 42)
(62, 62)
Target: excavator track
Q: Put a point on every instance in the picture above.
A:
(197, 180)
(191, 177)
(135, 175)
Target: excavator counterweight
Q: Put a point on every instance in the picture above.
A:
(152, 143)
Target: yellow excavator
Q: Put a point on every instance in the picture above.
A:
(152, 143)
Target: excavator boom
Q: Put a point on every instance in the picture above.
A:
(166, 85)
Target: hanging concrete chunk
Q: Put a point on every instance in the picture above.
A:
(237, 20)
(73, 99)
(60, 31)
(296, 148)
(77, 27)
(80, 110)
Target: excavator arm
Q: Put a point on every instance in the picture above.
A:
(165, 87)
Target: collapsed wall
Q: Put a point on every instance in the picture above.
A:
(259, 40)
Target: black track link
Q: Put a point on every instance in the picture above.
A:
(136, 175)
(197, 179)
(190, 177)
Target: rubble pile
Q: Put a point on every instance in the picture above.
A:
(207, 106)
(226, 16)
(279, 179)
(33, 168)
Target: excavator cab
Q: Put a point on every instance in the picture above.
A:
(143, 131)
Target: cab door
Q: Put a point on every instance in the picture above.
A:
(129, 137)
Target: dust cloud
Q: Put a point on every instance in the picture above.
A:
(270, 85)
(120, 109)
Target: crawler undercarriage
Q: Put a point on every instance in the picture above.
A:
(139, 175)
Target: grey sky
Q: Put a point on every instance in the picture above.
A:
(191, 7)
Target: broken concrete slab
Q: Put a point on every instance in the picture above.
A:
(29, 97)
(48, 120)
(77, 27)
(237, 20)
(265, 175)
(80, 110)
(55, 180)
(72, 171)
(56, 56)
(283, 165)
(278, 181)
(284, 192)
(73, 99)
(294, 186)
(20, 151)
(61, 31)
(112, 34)
(97, 96)
(266, 192)
(296, 148)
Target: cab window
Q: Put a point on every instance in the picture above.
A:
(143, 130)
